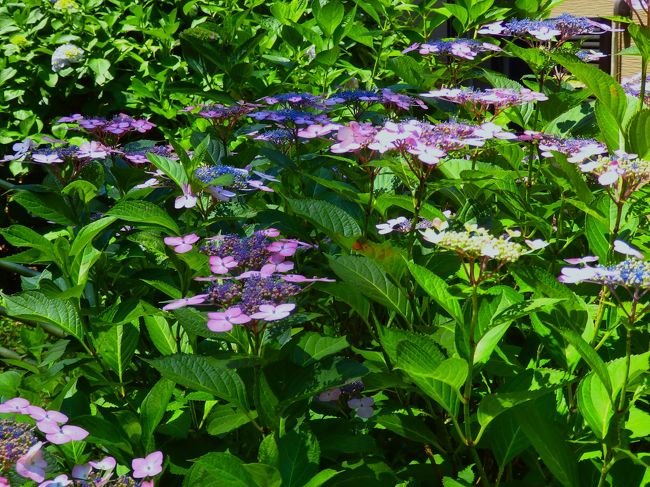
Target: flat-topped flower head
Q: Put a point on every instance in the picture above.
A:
(481, 101)
(632, 274)
(475, 243)
(458, 48)
(576, 150)
(290, 100)
(139, 156)
(558, 29)
(402, 224)
(16, 440)
(624, 173)
(290, 117)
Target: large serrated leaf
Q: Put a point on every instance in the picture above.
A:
(369, 278)
(143, 212)
(203, 374)
(492, 405)
(310, 347)
(153, 409)
(328, 217)
(637, 134)
(604, 87)
(437, 288)
(595, 405)
(34, 305)
(116, 347)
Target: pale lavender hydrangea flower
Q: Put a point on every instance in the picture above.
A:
(65, 55)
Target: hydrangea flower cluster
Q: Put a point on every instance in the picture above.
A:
(476, 243)
(430, 143)
(559, 29)
(287, 117)
(260, 291)
(479, 102)
(65, 55)
(632, 274)
(358, 99)
(139, 156)
(108, 131)
(576, 150)
(28, 151)
(632, 86)
(22, 450)
(222, 180)
(623, 173)
(289, 100)
(401, 224)
(458, 48)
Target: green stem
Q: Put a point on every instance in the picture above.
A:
(417, 205)
(370, 202)
(18, 269)
(626, 377)
(6, 185)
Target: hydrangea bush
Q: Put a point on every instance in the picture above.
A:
(436, 282)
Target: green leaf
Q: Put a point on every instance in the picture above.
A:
(328, 16)
(116, 347)
(438, 289)
(21, 236)
(89, 232)
(604, 87)
(637, 134)
(143, 212)
(224, 419)
(172, 169)
(550, 442)
(310, 347)
(203, 374)
(49, 206)
(493, 405)
(153, 409)
(321, 478)
(100, 67)
(264, 475)
(219, 469)
(194, 322)
(84, 190)
(409, 427)
(409, 70)
(160, 334)
(595, 405)
(328, 217)
(371, 280)
(82, 263)
(589, 355)
(34, 305)
(299, 458)
(506, 439)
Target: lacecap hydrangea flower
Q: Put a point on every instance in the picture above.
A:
(66, 55)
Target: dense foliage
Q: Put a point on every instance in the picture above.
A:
(323, 247)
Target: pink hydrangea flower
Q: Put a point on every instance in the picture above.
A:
(269, 269)
(182, 244)
(269, 312)
(270, 232)
(181, 303)
(106, 463)
(149, 466)
(317, 130)
(286, 248)
(93, 150)
(223, 265)
(62, 435)
(4, 482)
(332, 395)
(256, 184)
(32, 465)
(224, 321)
(60, 481)
(40, 414)
(16, 405)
